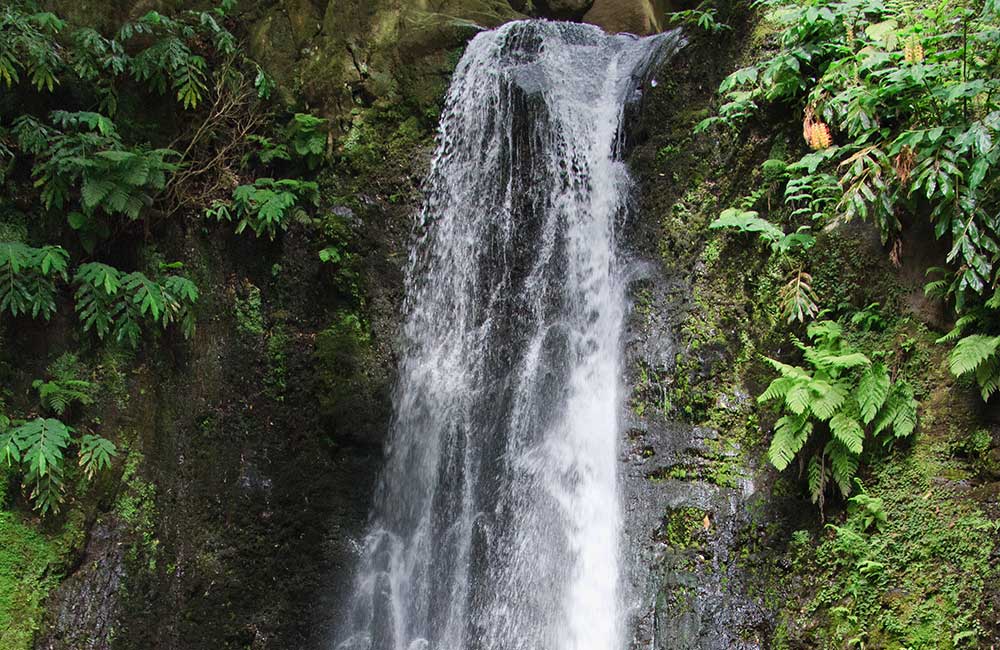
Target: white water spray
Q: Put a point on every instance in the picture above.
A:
(497, 521)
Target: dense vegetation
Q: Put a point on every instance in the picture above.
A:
(900, 111)
(808, 279)
(77, 147)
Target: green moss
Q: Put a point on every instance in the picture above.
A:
(32, 560)
(249, 316)
(277, 372)
(684, 528)
(136, 506)
(343, 351)
(915, 581)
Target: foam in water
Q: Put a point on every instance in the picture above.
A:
(497, 520)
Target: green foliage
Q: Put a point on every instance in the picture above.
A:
(64, 387)
(110, 302)
(905, 566)
(911, 95)
(28, 46)
(330, 255)
(28, 278)
(976, 355)
(31, 565)
(265, 206)
(308, 136)
(832, 406)
(869, 511)
(95, 454)
(749, 221)
(37, 447)
(798, 299)
(173, 52)
(84, 162)
(704, 16)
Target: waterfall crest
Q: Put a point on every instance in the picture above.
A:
(497, 520)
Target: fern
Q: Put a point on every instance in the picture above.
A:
(817, 479)
(843, 465)
(28, 278)
(307, 136)
(798, 299)
(95, 454)
(64, 386)
(835, 399)
(28, 45)
(265, 206)
(873, 389)
(971, 352)
(111, 303)
(40, 445)
(38, 448)
(84, 161)
(790, 435)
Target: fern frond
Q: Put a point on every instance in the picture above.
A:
(786, 370)
(778, 389)
(831, 361)
(798, 299)
(988, 377)
(797, 399)
(790, 435)
(95, 454)
(825, 332)
(899, 412)
(848, 432)
(873, 389)
(826, 398)
(971, 352)
(817, 477)
(843, 465)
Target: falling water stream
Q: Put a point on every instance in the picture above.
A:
(497, 523)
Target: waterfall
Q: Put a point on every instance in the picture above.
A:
(497, 521)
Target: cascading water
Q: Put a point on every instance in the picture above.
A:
(497, 521)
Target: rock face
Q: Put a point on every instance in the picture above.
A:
(347, 56)
(565, 9)
(642, 17)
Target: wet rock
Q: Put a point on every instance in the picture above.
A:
(642, 17)
(83, 612)
(564, 9)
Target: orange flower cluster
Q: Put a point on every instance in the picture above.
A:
(815, 131)
(913, 50)
(905, 162)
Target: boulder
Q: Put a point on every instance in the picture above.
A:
(642, 17)
(563, 9)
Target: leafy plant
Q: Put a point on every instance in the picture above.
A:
(867, 510)
(265, 206)
(902, 103)
(308, 137)
(27, 46)
(28, 276)
(95, 454)
(111, 302)
(832, 406)
(976, 356)
(38, 449)
(64, 386)
(704, 16)
(85, 162)
(798, 299)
